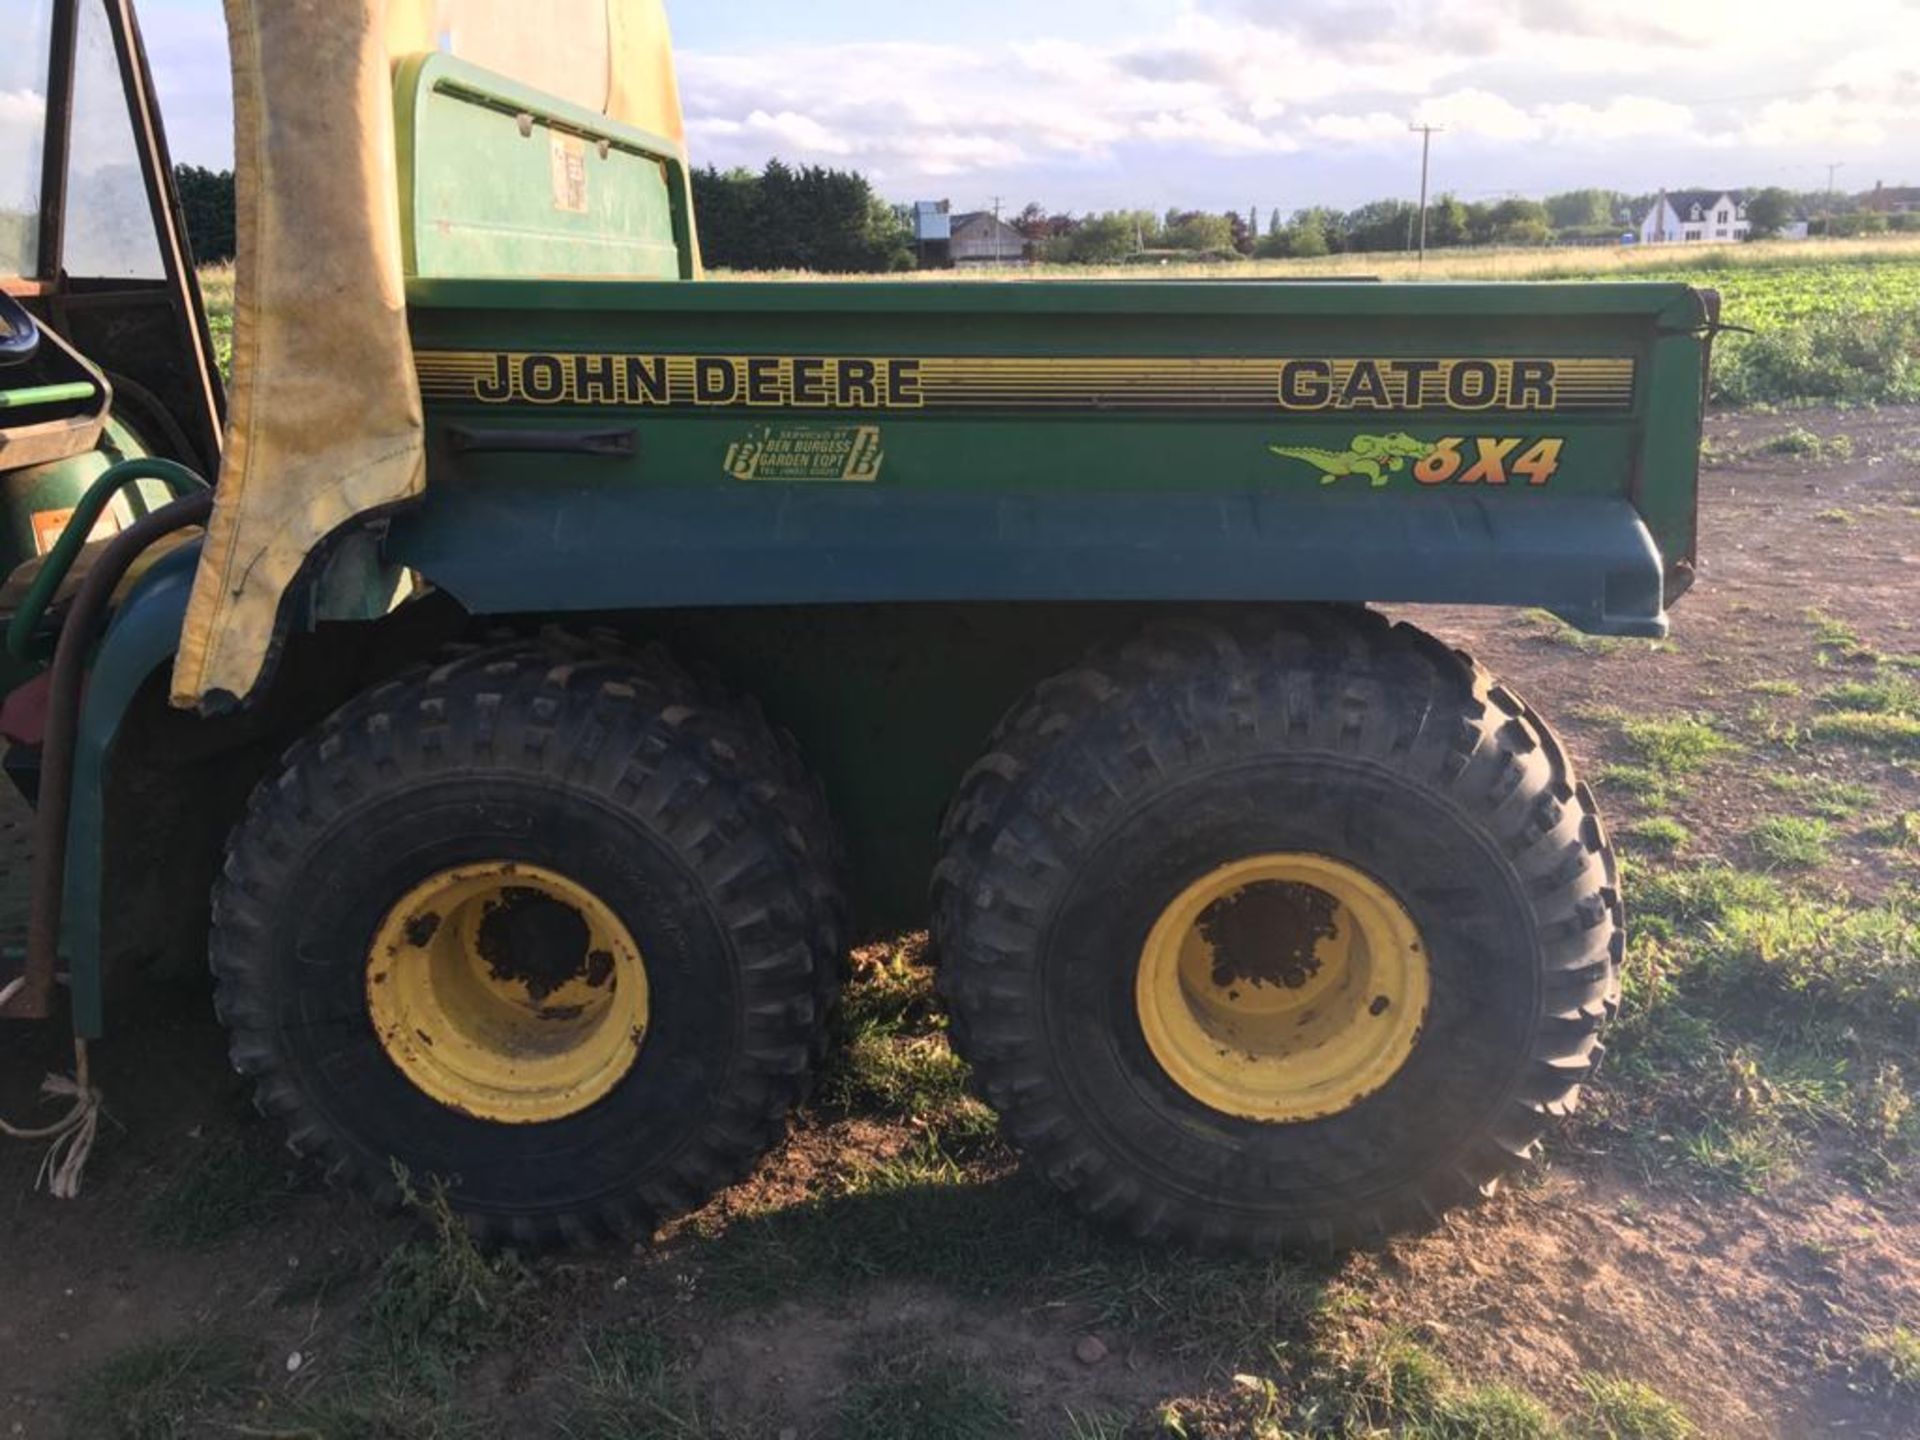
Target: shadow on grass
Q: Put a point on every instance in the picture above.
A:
(1009, 1239)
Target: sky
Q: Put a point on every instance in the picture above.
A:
(1229, 104)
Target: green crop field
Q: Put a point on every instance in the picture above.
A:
(1845, 331)
(1833, 322)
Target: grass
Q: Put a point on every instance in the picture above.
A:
(1878, 730)
(892, 1059)
(1008, 1240)
(1639, 781)
(1759, 1017)
(1779, 689)
(437, 1304)
(163, 1390)
(926, 1395)
(216, 295)
(1660, 834)
(1892, 1360)
(952, 1209)
(1629, 1410)
(1760, 258)
(1823, 797)
(440, 1300)
(1394, 1386)
(1898, 832)
(1834, 639)
(1751, 1157)
(1792, 842)
(1555, 631)
(1884, 694)
(1796, 440)
(222, 1190)
(1676, 747)
(626, 1387)
(1096, 1425)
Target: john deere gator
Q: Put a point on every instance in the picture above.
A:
(574, 654)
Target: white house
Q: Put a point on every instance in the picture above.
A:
(1689, 217)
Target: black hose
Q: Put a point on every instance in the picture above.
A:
(91, 605)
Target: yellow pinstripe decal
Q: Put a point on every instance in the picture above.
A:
(801, 383)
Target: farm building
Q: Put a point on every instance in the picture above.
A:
(1885, 199)
(983, 238)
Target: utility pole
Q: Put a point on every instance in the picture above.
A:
(1426, 133)
(1833, 168)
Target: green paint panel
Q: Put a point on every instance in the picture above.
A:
(873, 443)
(500, 180)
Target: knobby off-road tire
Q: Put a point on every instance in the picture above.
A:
(686, 827)
(1377, 753)
(791, 788)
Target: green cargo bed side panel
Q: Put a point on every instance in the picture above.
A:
(1590, 560)
(638, 445)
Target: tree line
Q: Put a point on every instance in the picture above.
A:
(1573, 217)
(811, 217)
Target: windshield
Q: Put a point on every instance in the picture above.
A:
(23, 123)
(109, 231)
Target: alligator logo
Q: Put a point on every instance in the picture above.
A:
(1376, 457)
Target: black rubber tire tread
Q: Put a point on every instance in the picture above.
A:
(792, 787)
(581, 716)
(1139, 718)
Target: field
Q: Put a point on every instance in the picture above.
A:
(1835, 321)
(1725, 1242)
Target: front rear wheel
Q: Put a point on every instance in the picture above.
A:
(1286, 933)
(549, 924)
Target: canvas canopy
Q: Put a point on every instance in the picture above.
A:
(325, 417)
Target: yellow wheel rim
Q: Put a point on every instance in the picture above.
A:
(1283, 988)
(508, 992)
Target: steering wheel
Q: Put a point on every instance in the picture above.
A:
(21, 340)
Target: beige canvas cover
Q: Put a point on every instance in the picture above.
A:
(324, 421)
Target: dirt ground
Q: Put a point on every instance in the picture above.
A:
(1744, 1308)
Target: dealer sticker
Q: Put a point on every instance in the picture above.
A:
(844, 453)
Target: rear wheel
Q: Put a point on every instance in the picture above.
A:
(1290, 932)
(546, 923)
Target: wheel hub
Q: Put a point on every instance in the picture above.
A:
(508, 992)
(1283, 988)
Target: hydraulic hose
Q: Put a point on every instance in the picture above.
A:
(59, 562)
(84, 622)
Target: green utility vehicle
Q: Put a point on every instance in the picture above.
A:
(732, 622)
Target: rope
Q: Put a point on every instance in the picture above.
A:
(72, 1136)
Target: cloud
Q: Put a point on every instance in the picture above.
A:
(1209, 102)
(22, 107)
(1236, 81)
(1832, 120)
(784, 132)
(1216, 129)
